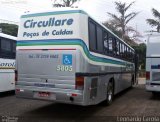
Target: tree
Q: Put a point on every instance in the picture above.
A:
(112, 27)
(141, 51)
(64, 3)
(9, 29)
(155, 22)
(120, 21)
(130, 40)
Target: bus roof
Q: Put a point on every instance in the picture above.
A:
(8, 36)
(153, 38)
(68, 10)
(153, 44)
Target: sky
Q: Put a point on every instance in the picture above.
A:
(12, 9)
(139, 22)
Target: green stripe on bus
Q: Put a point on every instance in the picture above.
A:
(93, 58)
(54, 13)
(6, 72)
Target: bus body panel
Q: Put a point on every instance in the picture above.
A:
(7, 75)
(62, 84)
(7, 62)
(58, 63)
(39, 77)
(154, 83)
(46, 71)
(153, 63)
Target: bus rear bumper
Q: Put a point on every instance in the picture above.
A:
(56, 95)
(151, 88)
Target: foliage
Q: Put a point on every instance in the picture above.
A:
(64, 3)
(141, 51)
(120, 21)
(155, 22)
(111, 26)
(9, 29)
(130, 41)
(126, 38)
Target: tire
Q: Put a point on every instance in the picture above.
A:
(155, 93)
(110, 90)
(132, 82)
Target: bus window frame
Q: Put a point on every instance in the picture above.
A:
(120, 53)
(7, 54)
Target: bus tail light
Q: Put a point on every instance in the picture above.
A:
(16, 76)
(147, 75)
(80, 83)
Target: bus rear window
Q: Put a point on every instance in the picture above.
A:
(5, 45)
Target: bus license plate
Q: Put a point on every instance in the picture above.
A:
(43, 94)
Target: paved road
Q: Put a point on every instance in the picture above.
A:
(132, 102)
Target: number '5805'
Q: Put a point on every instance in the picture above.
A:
(64, 68)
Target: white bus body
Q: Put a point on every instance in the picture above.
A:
(153, 63)
(68, 57)
(7, 62)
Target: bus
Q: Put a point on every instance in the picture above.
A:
(7, 62)
(153, 63)
(68, 57)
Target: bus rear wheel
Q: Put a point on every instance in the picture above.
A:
(109, 93)
(155, 94)
(132, 82)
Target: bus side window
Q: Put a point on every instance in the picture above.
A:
(117, 47)
(6, 45)
(92, 37)
(133, 56)
(130, 55)
(7, 48)
(14, 49)
(110, 42)
(114, 47)
(120, 50)
(128, 52)
(99, 39)
(123, 51)
(105, 42)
